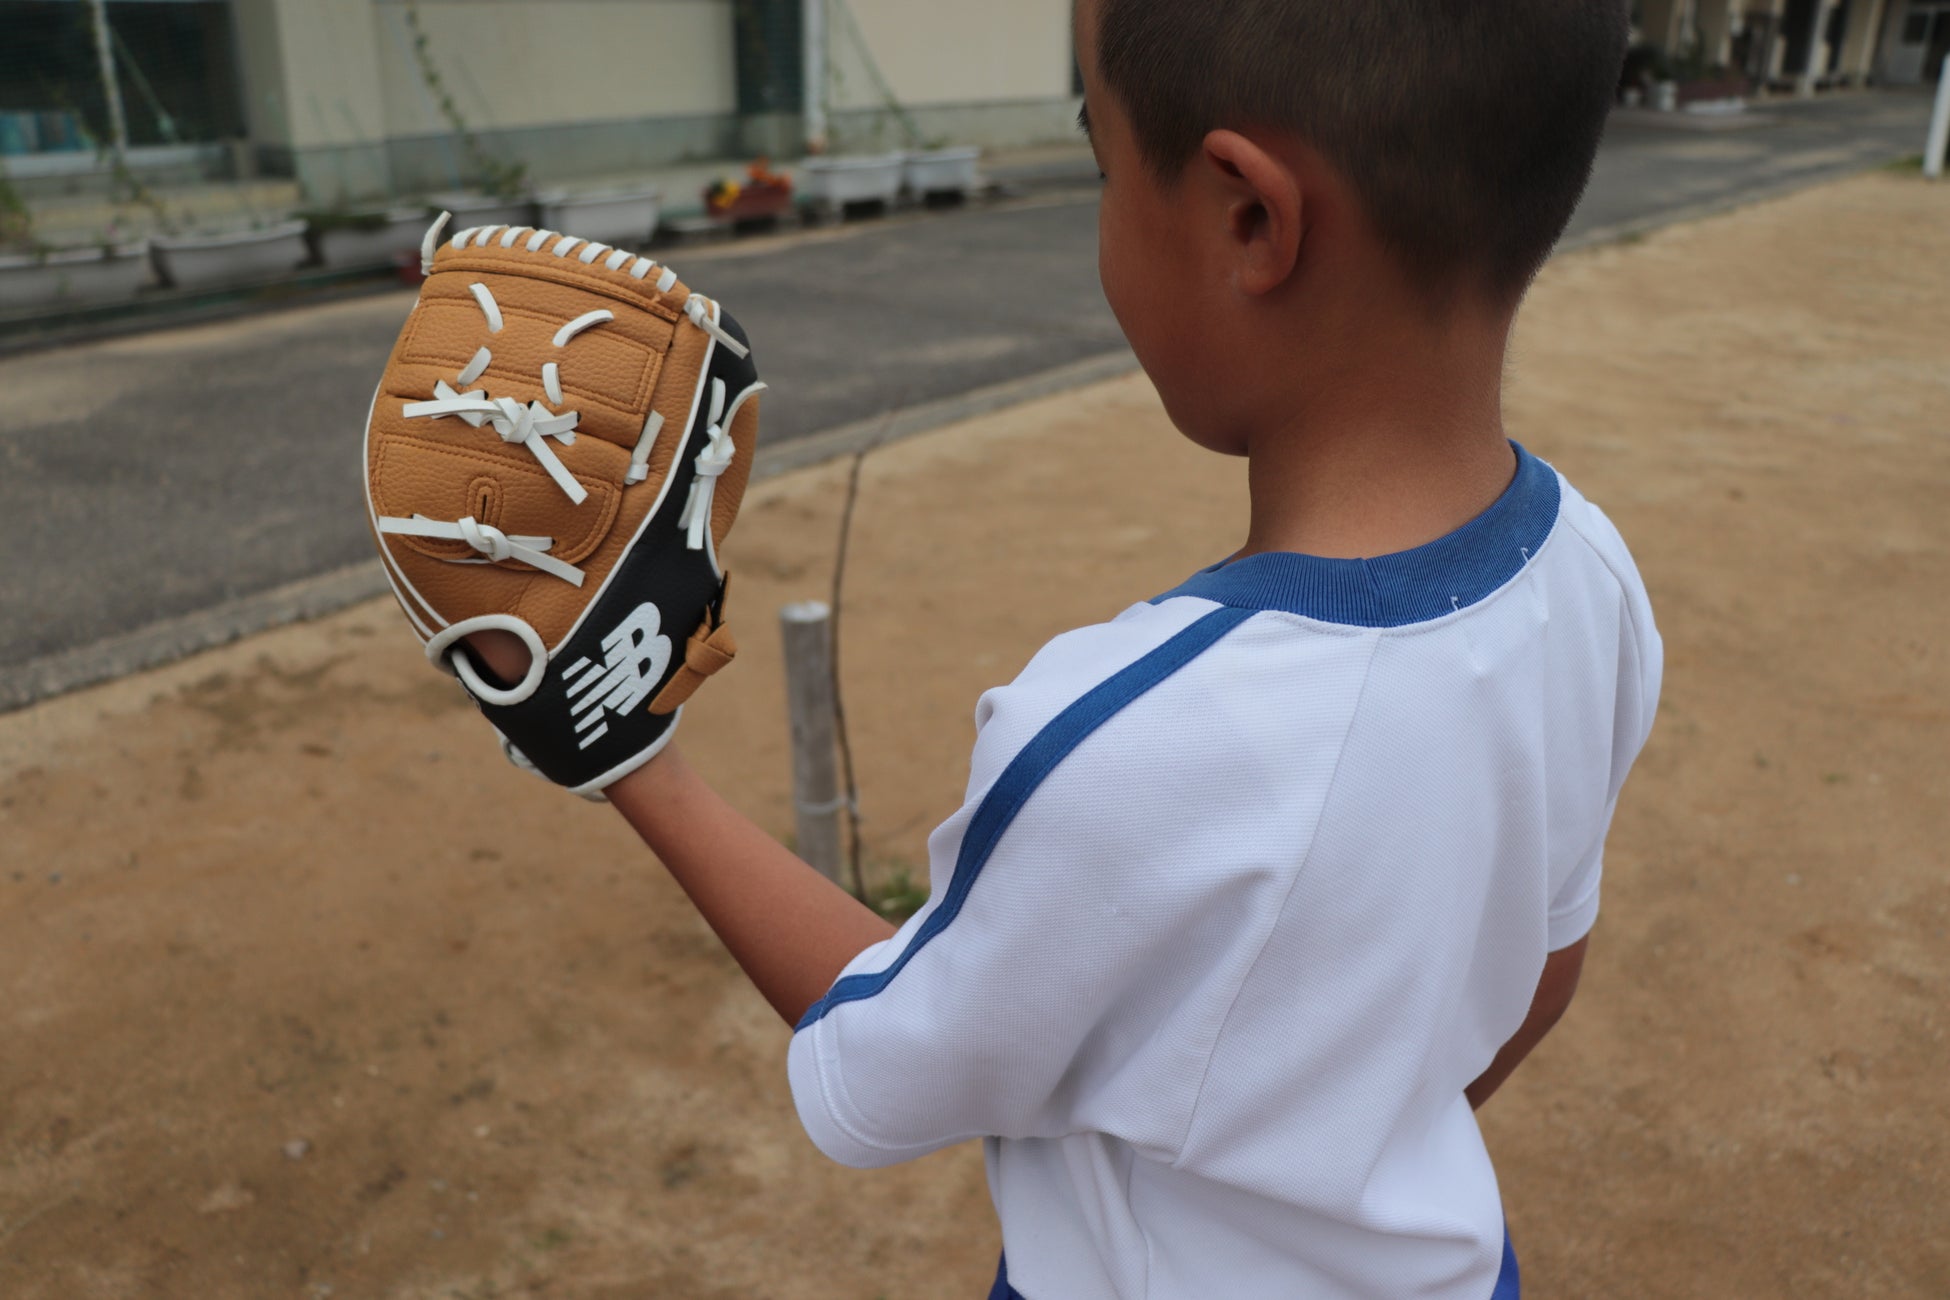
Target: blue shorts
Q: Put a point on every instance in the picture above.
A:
(1506, 1278)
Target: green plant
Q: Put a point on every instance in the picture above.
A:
(498, 176)
(16, 221)
(129, 187)
(891, 109)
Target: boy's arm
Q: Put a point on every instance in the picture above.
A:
(792, 929)
(1554, 991)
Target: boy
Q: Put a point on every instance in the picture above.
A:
(1262, 886)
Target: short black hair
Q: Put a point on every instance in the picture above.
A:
(1466, 127)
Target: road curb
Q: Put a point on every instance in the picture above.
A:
(185, 635)
(1624, 230)
(309, 598)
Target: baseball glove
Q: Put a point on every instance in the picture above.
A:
(557, 448)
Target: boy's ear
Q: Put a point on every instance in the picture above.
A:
(1263, 209)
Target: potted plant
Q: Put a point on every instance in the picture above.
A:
(475, 208)
(111, 271)
(34, 275)
(502, 197)
(839, 180)
(222, 258)
(624, 217)
(763, 195)
(940, 169)
(352, 240)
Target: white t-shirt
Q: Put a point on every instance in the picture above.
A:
(1250, 883)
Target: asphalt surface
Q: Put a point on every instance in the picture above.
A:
(153, 476)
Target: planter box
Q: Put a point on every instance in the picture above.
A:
(350, 247)
(619, 218)
(74, 277)
(754, 203)
(481, 210)
(859, 179)
(235, 257)
(942, 171)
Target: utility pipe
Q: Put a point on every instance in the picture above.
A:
(118, 124)
(1939, 124)
(812, 31)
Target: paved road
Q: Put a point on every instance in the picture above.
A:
(158, 475)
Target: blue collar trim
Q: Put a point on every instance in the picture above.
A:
(1449, 574)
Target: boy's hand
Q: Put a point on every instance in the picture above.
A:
(559, 444)
(504, 654)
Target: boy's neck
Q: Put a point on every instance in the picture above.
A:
(1389, 444)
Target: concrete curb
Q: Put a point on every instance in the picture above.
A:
(308, 598)
(1793, 184)
(182, 636)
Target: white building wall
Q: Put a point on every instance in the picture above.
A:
(994, 74)
(564, 89)
(512, 65)
(949, 52)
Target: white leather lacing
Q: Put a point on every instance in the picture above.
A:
(695, 307)
(490, 541)
(531, 425)
(711, 463)
(640, 458)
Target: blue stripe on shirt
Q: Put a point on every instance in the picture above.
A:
(1432, 581)
(1507, 1285)
(1019, 780)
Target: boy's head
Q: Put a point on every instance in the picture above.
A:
(1448, 139)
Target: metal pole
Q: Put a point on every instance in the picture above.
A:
(807, 630)
(118, 124)
(813, 73)
(1939, 124)
(1805, 88)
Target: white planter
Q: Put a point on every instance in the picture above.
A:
(942, 171)
(350, 247)
(481, 210)
(74, 277)
(1727, 107)
(621, 218)
(234, 257)
(1665, 96)
(859, 179)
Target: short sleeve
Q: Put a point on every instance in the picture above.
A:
(1574, 908)
(1024, 992)
(1126, 847)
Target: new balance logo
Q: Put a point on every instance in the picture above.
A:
(634, 658)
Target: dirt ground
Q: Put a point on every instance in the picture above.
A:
(304, 992)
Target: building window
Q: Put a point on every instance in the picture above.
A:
(769, 51)
(1916, 26)
(175, 68)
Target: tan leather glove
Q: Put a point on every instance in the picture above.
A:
(557, 448)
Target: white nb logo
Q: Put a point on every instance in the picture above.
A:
(634, 658)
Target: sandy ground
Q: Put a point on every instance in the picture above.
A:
(304, 992)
